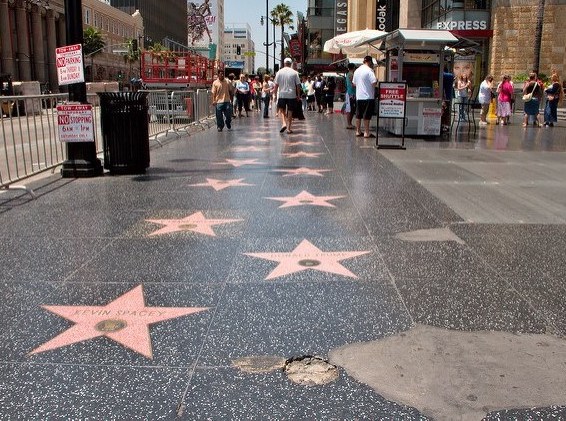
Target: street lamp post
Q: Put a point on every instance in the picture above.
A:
(267, 44)
(266, 36)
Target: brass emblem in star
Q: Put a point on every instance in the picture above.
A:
(304, 198)
(195, 222)
(302, 154)
(304, 171)
(125, 320)
(307, 256)
(240, 162)
(222, 184)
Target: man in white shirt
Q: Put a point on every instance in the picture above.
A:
(365, 81)
(288, 86)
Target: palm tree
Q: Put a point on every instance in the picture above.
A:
(538, 34)
(132, 55)
(93, 44)
(93, 41)
(282, 16)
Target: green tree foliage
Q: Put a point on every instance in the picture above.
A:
(93, 42)
(282, 16)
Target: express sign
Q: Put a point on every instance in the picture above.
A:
(69, 62)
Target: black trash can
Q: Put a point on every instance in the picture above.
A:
(125, 131)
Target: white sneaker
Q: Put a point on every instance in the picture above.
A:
(483, 123)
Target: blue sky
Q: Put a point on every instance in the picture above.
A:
(250, 11)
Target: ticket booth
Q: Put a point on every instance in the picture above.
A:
(416, 56)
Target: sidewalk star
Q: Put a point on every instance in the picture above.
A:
(125, 320)
(302, 154)
(222, 184)
(305, 198)
(195, 222)
(304, 171)
(240, 162)
(307, 256)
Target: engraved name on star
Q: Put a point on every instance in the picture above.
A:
(240, 162)
(307, 256)
(125, 320)
(222, 184)
(195, 222)
(305, 198)
(303, 154)
(304, 171)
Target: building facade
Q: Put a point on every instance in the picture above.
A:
(30, 31)
(165, 21)
(239, 48)
(503, 30)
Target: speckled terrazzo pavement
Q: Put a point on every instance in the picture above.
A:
(459, 235)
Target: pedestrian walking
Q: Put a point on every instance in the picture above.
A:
(504, 97)
(350, 97)
(222, 97)
(365, 82)
(266, 95)
(329, 91)
(554, 95)
(243, 95)
(532, 95)
(485, 96)
(288, 89)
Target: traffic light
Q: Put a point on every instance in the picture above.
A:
(238, 50)
(134, 45)
(261, 21)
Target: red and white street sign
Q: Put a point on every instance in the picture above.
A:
(392, 97)
(69, 62)
(75, 123)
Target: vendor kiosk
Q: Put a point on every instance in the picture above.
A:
(416, 56)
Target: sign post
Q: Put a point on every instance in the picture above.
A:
(392, 103)
(81, 155)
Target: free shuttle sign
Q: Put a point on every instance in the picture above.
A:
(70, 67)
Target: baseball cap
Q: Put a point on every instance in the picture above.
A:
(287, 60)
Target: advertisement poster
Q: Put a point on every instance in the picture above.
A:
(202, 23)
(392, 97)
(75, 123)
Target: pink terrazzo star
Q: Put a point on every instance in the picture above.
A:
(301, 142)
(305, 198)
(304, 171)
(240, 162)
(302, 154)
(222, 184)
(248, 149)
(308, 256)
(195, 222)
(125, 320)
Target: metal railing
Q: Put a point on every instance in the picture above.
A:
(29, 141)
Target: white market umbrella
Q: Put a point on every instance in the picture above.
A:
(345, 43)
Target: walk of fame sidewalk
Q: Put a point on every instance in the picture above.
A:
(253, 274)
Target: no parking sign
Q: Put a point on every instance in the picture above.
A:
(69, 62)
(75, 123)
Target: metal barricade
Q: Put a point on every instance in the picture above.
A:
(159, 119)
(182, 110)
(204, 104)
(29, 141)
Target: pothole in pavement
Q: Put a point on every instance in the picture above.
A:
(310, 370)
(305, 370)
